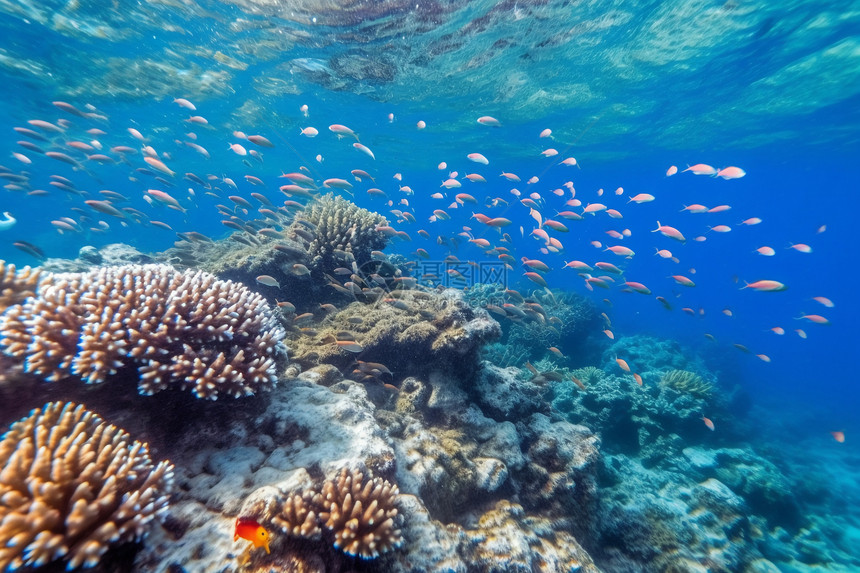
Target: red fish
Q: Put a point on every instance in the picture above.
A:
(252, 531)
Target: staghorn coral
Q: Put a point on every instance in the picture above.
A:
(687, 382)
(17, 285)
(337, 233)
(209, 336)
(361, 514)
(72, 486)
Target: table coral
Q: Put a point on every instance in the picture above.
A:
(191, 329)
(72, 486)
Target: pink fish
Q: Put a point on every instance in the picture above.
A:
(490, 121)
(824, 300)
(721, 229)
(159, 165)
(637, 287)
(684, 281)
(182, 102)
(535, 278)
(364, 149)
(342, 130)
(478, 158)
(621, 251)
(731, 173)
(766, 286)
(701, 169)
(816, 318)
(670, 232)
(641, 198)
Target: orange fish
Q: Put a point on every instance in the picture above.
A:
(637, 378)
(708, 423)
(623, 364)
(252, 531)
(838, 436)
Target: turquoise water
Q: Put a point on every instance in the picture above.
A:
(627, 91)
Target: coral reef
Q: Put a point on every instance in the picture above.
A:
(245, 255)
(337, 233)
(458, 473)
(648, 353)
(411, 331)
(209, 336)
(588, 375)
(684, 381)
(503, 395)
(662, 521)
(298, 517)
(17, 285)
(110, 255)
(361, 514)
(72, 486)
(555, 319)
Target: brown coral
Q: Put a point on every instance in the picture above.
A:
(361, 514)
(15, 285)
(413, 330)
(338, 232)
(71, 486)
(211, 336)
(687, 382)
(298, 516)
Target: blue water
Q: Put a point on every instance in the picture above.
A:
(626, 91)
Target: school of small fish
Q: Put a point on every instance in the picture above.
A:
(471, 213)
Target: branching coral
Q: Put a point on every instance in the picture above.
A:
(361, 514)
(338, 232)
(71, 486)
(298, 515)
(210, 336)
(15, 285)
(687, 382)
